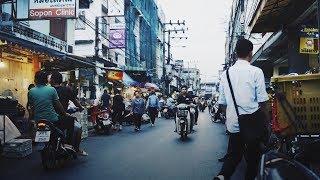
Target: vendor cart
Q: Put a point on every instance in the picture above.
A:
(296, 116)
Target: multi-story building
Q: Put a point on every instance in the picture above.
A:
(236, 30)
(191, 78)
(285, 35)
(144, 37)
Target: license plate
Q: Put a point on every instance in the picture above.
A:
(42, 136)
(105, 123)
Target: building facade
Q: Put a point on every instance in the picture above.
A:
(30, 43)
(285, 38)
(144, 37)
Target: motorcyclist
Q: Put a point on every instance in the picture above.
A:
(65, 95)
(45, 105)
(186, 98)
(171, 106)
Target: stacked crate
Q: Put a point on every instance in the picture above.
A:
(17, 148)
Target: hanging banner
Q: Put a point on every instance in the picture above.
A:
(46, 9)
(309, 43)
(117, 39)
(114, 75)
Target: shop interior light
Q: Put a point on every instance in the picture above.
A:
(2, 64)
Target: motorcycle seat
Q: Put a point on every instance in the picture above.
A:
(278, 166)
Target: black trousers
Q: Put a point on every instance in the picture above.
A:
(117, 116)
(237, 148)
(137, 120)
(67, 123)
(196, 115)
(153, 112)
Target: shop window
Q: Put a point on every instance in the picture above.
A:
(104, 28)
(58, 28)
(117, 57)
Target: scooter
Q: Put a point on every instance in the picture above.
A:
(50, 141)
(274, 165)
(103, 122)
(185, 120)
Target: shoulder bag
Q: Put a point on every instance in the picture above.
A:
(253, 127)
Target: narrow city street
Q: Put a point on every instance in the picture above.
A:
(154, 153)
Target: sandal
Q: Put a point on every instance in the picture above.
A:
(82, 153)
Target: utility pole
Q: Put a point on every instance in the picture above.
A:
(97, 40)
(168, 60)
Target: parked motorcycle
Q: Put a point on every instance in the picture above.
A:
(50, 141)
(185, 120)
(103, 122)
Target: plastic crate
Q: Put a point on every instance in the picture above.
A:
(296, 104)
(17, 148)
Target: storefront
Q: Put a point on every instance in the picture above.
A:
(23, 52)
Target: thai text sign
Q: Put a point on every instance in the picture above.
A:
(309, 43)
(46, 9)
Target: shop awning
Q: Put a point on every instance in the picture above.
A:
(271, 15)
(139, 76)
(264, 53)
(30, 45)
(106, 63)
(69, 62)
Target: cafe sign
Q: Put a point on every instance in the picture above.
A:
(309, 41)
(47, 9)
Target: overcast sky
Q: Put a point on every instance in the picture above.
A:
(207, 22)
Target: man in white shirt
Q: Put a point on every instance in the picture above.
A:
(250, 94)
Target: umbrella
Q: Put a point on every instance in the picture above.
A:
(151, 86)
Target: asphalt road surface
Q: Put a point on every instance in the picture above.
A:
(155, 153)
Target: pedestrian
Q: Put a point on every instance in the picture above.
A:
(118, 108)
(105, 99)
(243, 96)
(138, 109)
(153, 106)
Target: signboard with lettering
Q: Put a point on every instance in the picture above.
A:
(46, 9)
(117, 39)
(114, 75)
(309, 43)
(13, 57)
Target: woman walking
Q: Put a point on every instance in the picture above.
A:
(138, 109)
(153, 106)
(118, 108)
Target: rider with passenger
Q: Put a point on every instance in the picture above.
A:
(45, 105)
